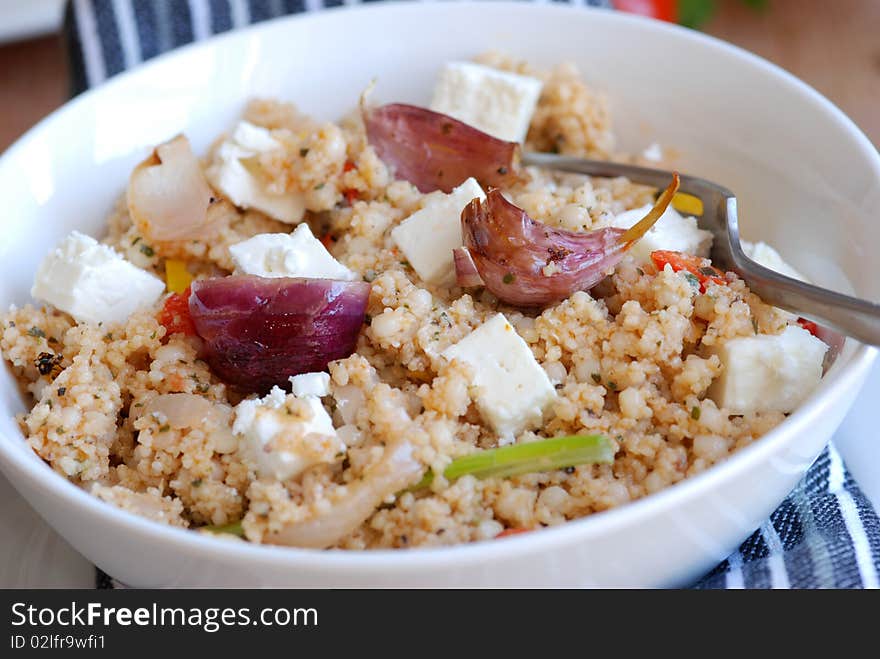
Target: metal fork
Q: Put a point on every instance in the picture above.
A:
(849, 315)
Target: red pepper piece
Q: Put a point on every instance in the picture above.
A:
(700, 268)
(175, 314)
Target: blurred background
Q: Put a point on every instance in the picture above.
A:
(832, 45)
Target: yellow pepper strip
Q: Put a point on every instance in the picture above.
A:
(177, 277)
(687, 204)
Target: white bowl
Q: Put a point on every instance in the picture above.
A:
(808, 182)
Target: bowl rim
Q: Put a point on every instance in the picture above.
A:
(209, 546)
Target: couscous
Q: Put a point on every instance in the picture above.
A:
(383, 332)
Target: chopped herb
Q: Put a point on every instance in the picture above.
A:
(692, 280)
(62, 391)
(60, 430)
(233, 528)
(319, 186)
(695, 412)
(612, 385)
(755, 325)
(196, 482)
(709, 272)
(303, 152)
(203, 388)
(596, 378)
(46, 362)
(108, 336)
(436, 336)
(148, 251)
(37, 332)
(164, 428)
(369, 276)
(135, 241)
(49, 403)
(153, 335)
(405, 264)
(509, 278)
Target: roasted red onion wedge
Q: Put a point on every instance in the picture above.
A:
(258, 332)
(529, 264)
(433, 151)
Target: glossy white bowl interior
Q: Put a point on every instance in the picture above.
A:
(807, 179)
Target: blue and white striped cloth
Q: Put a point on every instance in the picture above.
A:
(824, 535)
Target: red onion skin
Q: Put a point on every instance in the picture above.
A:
(433, 151)
(466, 273)
(511, 250)
(258, 331)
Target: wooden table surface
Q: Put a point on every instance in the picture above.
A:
(834, 46)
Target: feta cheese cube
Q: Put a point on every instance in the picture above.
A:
(493, 101)
(762, 253)
(310, 384)
(234, 177)
(672, 232)
(93, 283)
(768, 373)
(285, 434)
(297, 254)
(512, 390)
(428, 236)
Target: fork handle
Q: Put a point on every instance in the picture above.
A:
(849, 315)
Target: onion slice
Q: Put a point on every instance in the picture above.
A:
(395, 471)
(182, 410)
(529, 264)
(433, 151)
(258, 332)
(168, 195)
